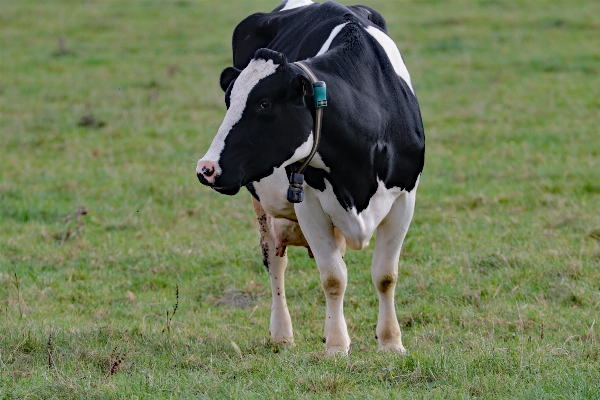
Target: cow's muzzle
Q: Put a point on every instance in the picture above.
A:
(207, 172)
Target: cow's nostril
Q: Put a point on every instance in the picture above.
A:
(208, 171)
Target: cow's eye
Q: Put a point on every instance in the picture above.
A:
(265, 105)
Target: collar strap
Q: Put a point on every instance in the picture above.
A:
(295, 191)
(320, 88)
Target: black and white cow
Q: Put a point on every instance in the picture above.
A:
(365, 173)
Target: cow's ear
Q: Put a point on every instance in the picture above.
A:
(227, 76)
(301, 89)
(267, 54)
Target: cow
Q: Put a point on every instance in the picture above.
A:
(364, 158)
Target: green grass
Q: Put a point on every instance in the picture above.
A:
(499, 289)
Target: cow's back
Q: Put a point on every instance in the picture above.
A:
(298, 33)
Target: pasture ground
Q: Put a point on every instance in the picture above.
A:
(107, 105)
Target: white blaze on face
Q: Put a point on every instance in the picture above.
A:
(250, 76)
(393, 54)
(295, 4)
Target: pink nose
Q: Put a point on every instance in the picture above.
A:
(206, 171)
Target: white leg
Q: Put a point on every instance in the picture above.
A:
(390, 235)
(281, 323)
(321, 237)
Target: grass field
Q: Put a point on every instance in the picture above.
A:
(106, 105)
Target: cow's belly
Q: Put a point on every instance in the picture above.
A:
(272, 193)
(358, 228)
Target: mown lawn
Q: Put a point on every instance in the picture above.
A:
(106, 105)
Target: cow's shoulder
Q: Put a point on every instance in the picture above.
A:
(293, 4)
(253, 33)
(371, 15)
(297, 32)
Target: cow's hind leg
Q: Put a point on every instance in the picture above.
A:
(275, 259)
(390, 235)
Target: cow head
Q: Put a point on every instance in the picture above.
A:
(267, 124)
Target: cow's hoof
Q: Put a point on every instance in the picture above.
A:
(282, 341)
(337, 350)
(393, 348)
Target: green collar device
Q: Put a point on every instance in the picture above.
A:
(295, 192)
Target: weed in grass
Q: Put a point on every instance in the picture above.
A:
(88, 120)
(169, 318)
(595, 233)
(18, 289)
(69, 232)
(50, 350)
(61, 48)
(114, 362)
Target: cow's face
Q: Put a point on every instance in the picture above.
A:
(267, 124)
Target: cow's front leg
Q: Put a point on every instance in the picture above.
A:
(319, 233)
(275, 259)
(390, 235)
